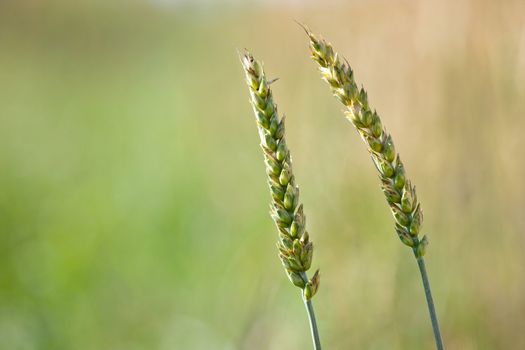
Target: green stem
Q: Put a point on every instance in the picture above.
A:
(313, 323)
(430, 302)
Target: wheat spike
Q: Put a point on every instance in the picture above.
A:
(294, 245)
(399, 192)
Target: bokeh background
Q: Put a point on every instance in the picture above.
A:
(133, 203)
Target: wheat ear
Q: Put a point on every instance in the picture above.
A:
(294, 245)
(399, 192)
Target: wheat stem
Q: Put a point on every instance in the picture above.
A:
(313, 323)
(430, 301)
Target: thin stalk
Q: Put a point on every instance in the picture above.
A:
(313, 323)
(430, 302)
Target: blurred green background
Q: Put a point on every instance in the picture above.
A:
(133, 203)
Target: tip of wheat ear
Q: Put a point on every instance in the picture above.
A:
(294, 245)
(399, 192)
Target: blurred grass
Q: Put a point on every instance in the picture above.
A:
(133, 209)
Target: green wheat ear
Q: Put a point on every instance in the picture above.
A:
(399, 192)
(294, 245)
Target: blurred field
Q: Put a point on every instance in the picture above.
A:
(133, 205)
